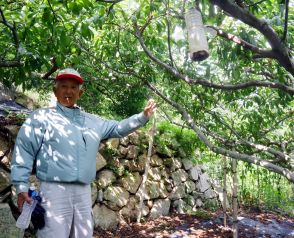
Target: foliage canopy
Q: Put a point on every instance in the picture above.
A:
(239, 102)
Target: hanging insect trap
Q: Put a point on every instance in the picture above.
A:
(196, 35)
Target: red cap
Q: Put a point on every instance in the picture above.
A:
(69, 74)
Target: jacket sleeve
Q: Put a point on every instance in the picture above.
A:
(115, 129)
(27, 145)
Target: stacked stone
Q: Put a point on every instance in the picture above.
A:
(7, 216)
(173, 184)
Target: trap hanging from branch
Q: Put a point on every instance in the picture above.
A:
(196, 35)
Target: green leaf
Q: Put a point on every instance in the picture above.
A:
(85, 31)
(75, 7)
(46, 17)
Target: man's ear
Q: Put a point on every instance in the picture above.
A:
(81, 92)
(54, 91)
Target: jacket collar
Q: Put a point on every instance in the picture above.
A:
(68, 112)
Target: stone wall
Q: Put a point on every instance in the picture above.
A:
(6, 93)
(173, 184)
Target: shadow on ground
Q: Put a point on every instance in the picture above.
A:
(251, 225)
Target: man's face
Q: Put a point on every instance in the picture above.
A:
(67, 92)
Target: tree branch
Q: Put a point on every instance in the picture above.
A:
(205, 83)
(278, 48)
(52, 10)
(284, 38)
(256, 3)
(16, 62)
(12, 28)
(219, 150)
(52, 70)
(259, 147)
(263, 52)
(262, 73)
(168, 36)
(10, 63)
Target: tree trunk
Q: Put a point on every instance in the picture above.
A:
(235, 200)
(225, 192)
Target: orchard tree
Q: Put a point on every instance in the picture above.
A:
(239, 101)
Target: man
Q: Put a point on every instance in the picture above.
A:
(64, 142)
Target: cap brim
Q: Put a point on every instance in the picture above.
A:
(70, 76)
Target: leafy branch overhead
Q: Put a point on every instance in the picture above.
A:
(238, 102)
(278, 50)
(252, 159)
(206, 83)
(5, 61)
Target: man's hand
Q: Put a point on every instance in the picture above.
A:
(21, 198)
(150, 108)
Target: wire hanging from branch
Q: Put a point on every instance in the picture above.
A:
(142, 189)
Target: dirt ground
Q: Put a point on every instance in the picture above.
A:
(179, 225)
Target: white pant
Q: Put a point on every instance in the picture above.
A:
(68, 210)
